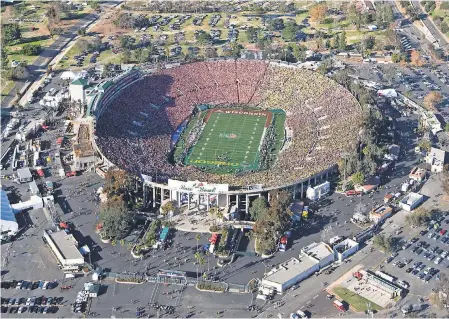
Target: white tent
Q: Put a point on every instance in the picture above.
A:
(389, 93)
(8, 223)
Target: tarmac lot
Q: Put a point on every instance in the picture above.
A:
(417, 286)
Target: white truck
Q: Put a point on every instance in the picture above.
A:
(412, 308)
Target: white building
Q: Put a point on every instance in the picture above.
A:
(411, 201)
(436, 159)
(24, 175)
(65, 248)
(315, 193)
(8, 224)
(285, 275)
(418, 174)
(321, 252)
(345, 249)
(380, 213)
(77, 92)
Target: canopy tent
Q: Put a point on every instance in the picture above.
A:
(8, 219)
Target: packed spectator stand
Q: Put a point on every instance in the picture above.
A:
(134, 130)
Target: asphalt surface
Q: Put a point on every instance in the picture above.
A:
(76, 194)
(38, 67)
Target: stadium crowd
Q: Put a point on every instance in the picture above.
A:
(135, 130)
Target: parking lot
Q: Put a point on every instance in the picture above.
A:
(418, 256)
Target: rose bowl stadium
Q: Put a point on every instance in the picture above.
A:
(223, 132)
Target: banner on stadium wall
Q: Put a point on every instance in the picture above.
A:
(146, 178)
(197, 187)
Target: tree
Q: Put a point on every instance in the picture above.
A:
(445, 180)
(289, 32)
(126, 41)
(115, 219)
(11, 32)
(83, 45)
(425, 145)
(81, 32)
(446, 127)
(94, 4)
(126, 56)
(203, 38)
(382, 243)
(235, 49)
(197, 237)
(252, 34)
(54, 13)
(369, 42)
(115, 182)
(31, 49)
(415, 58)
(342, 41)
(4, 57)
(432, 99)
(440, 297)
(269, 226)
(124, 21)
(318, 12)
(168, 207)
(419, 217)
(358, 178)
(444, 27)
(396, 57)
(258, 208)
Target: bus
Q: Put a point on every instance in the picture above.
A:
(339, 305)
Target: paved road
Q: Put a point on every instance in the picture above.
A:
(431, 26)
(40, 64)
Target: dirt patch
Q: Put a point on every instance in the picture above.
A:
(106, 27)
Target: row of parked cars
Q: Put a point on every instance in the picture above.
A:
(30, 309)
(31, 305)
(32, 301)
(28, 285)
(80, 303)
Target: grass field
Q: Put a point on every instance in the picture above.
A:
(358, 302)
(229, 142)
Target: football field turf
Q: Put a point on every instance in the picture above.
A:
(229, 142)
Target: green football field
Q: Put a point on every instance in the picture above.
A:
(229, 142)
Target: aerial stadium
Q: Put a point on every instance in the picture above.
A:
(224, 132)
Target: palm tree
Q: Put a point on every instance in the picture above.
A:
(197, 237)
(208, 259)
(197, 257)
(201, 262)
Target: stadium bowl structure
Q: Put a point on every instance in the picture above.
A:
(134, 130)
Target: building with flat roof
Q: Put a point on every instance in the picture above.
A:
(380, 213)
(411, 201)
(290, 272)
(436, 160)
(24, 175)
(321, 252)
(345, 248)
(65, 249)
(83, 151)
(383, 284)
(418, 174)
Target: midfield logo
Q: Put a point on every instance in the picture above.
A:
(228, 135)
